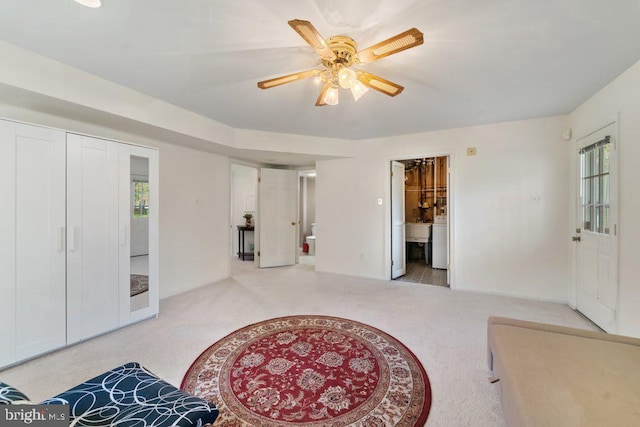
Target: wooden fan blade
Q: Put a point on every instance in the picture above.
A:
(395, 44)
(266, 84)
(309, 33)
(379, 84)
(320, 101)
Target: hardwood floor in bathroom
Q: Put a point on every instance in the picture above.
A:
(419, 272)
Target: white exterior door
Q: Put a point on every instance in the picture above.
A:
(597, 228)
(277, 217)
(398, 256)
(92, 237)
(32, 253)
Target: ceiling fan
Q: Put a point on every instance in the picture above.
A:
(338, 54)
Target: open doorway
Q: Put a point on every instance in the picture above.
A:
(420, 225)
(307, 217)
(244, 181)
(272, 217)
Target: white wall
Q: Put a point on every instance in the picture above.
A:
(194, 204)
(194, 218)
(504, 241)
(244, 181)
(620, 98)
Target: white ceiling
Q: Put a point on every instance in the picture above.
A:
(482, 61)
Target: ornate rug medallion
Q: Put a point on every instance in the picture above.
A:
(311, 371)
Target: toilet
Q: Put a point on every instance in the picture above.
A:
(311, 240)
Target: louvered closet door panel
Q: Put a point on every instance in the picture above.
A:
(92, 236)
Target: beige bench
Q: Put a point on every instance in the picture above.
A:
(557, 376)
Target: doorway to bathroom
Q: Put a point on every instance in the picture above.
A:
(307, 218)
(420, 229)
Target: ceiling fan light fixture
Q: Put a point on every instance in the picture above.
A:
(90, 3)
(337, 55)
(358, 89)
(347, 78)
(331, 96)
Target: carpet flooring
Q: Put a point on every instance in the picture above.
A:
(445, 329)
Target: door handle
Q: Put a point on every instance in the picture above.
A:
(293, 223)
(61, 235)
(123, 239)
(576, 238)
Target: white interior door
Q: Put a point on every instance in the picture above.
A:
(597, 228)
(92, 237)
(277, 214)
(398, 256)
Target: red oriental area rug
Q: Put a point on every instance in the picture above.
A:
(311, 371)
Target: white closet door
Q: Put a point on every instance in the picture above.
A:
(138, 164)
(7, 243)
(92, 236)
(33, 163)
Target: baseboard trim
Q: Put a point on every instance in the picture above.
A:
(514, 295)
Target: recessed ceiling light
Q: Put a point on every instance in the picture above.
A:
(90, 3)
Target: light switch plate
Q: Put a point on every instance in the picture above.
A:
(471, 151)
(380, 201)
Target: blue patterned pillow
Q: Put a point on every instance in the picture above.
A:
(10, 394)
(131, 396)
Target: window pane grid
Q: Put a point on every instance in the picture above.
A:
(595, 189)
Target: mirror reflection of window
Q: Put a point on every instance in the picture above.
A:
(140, 199)
(139, 233)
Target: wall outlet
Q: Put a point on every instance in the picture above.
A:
(471, 151)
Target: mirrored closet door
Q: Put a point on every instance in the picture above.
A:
(78, 238)
(138, 233)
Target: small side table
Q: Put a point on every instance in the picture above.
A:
(241, 253)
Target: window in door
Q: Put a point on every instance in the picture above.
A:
(594, 188)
